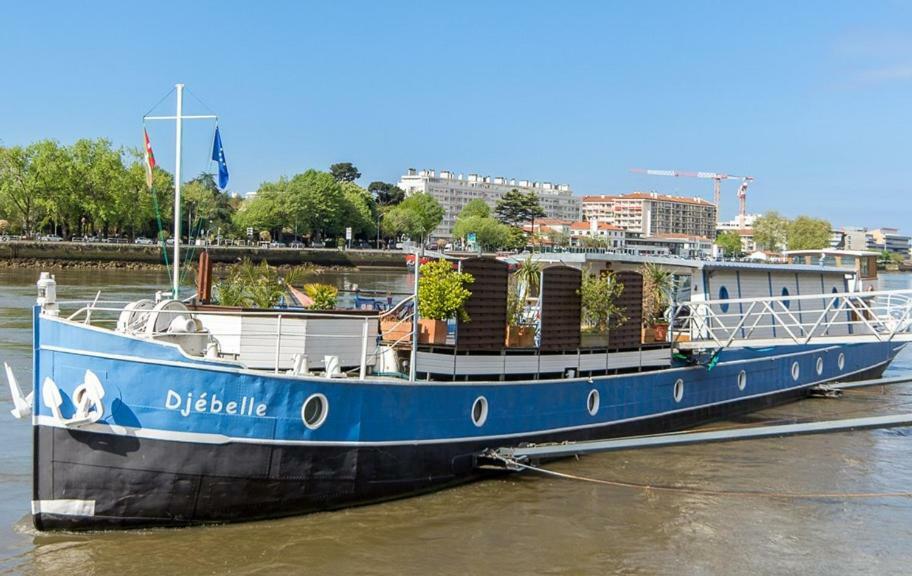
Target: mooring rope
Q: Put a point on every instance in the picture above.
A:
(511, 463)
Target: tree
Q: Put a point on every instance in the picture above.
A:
(806, 233)
(476, 207)
(517, 208)
(416, 216)
(599, 296)
(489, 233)
(730, 243)
(344, 172)
(359, 210)
(771, 231)
(18, 193)
(386, 194)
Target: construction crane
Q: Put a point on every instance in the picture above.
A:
(717, 178)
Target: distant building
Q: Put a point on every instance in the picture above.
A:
(681, 245)
(608, 235)
(746, 232)
(888, 239)
(854, 239)
(653, 214)
(454, 191)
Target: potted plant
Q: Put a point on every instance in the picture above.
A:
(657, 285)
(524, 284)
(600, 312)
(442, 295)
(323, 296)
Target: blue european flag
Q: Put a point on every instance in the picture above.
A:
(218, 155)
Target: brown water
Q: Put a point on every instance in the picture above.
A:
(523, 523)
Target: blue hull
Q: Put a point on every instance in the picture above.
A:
(186, 441)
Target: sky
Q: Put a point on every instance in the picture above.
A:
(813, 99)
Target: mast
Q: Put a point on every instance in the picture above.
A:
(175, 283)
(178, 141)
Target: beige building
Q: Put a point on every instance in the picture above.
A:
(653, 214)
(454, 191)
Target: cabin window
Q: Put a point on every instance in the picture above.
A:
(796, 371)
(742, 380)
(840, 361)
(865, 267)
(679, 390)
(785, 292)
(480, 411)
(819, 366)
(723, 295)
(592, 402)
(314, 411)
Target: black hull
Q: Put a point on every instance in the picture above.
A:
(146, 482)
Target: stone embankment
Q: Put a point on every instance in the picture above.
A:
(51, 255)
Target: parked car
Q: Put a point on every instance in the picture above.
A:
(143, 240)
(317, 244)
(51, 238)
(275, 244)
(5, 238)
(296, 244)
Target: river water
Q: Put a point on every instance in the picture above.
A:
(521, 523)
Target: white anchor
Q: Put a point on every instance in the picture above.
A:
(87, 398)
(22, 405)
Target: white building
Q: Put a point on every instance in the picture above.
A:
(608, 235)
(454, 191)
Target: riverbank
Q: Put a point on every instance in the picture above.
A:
(63, 255)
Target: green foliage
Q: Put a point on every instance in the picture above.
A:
(524, 283)
(806, 233)
(254, 285)
(730, 242)
(311, 203)
(657, 286)
(386, 194)
(771, 231)
(323, 296)
(476, 207)
(416, 216)
(599, 295)
(516, 239)
(442, 291)
(344, 172)
(489, 233)
(516, 208)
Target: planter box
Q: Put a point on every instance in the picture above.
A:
(432, 331)
(594, 340)
(394, 330)
(648, 335)
(520, 337)
(661, 332)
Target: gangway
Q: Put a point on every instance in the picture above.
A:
(836, 318)
(506, 457)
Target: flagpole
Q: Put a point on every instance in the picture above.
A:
(175, 285)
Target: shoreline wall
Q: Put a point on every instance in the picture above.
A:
(74, 254)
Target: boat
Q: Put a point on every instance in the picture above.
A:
(174, 411)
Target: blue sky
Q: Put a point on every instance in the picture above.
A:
(811, 98)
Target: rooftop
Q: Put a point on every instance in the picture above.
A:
(646, 196)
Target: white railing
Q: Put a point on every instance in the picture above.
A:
(852, 316)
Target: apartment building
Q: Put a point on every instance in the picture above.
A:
(454, 191)
(653, 214)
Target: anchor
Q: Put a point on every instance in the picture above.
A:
(22, 405)
(87, 397)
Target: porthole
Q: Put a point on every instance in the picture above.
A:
(480, 411)
(742, 380)
(785, 292)
(840, 361)
(819, 366)
(796, 371)
(592, 402)
(314, 411)
(723, 295)
(678, 390)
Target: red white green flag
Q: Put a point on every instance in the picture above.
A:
(150, 160)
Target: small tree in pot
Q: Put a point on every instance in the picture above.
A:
(600, 312)
(524, 283)
(657, 286)
(442, 295)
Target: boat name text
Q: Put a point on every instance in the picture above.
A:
(248, 406)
